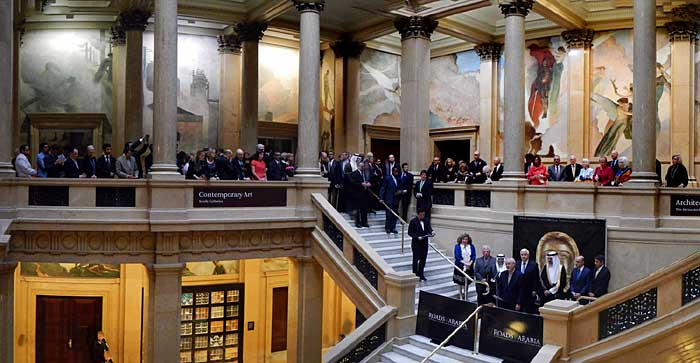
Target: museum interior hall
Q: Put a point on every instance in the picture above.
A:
(349, 181)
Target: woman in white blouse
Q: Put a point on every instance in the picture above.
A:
(586, 174)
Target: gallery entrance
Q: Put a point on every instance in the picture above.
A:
(382, 148)
(455, 149)
(66, 328)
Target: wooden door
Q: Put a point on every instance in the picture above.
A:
(279, 319)
(66, 328)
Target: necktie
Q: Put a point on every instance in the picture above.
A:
(522, 268)
(107, 159)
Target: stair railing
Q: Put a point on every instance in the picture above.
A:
(467, 279)
(389, 210)
(474, 315)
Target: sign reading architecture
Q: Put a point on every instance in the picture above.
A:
(685, 205)
(237, 197)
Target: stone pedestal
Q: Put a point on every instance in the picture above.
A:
(133, 22)
(489, 53)
(7, 297)
(166, 288)
(416, 146)
(229, 128)
(250, 35)
(579, 62)
(6, 95)
(305, 308)
(556, 315)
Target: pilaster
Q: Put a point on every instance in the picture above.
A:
(7, 36)
(348, 52)
(166, 285)
(305, 328)
(7, 297)
(489, 53)
(133, 22)
(229, 128)
(250, 35)
(579, 43)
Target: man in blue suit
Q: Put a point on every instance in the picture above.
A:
(423, 192)
(390, 194)
(580, 279)
(509, 287)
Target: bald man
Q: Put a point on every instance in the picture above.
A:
(580, 278)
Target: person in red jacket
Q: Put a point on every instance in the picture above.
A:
(603, 174)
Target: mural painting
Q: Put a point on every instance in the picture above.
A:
(612, 93)
(69, 270)
(380, 88)
(454, 90)
(198, 69)
(278, 97)
(327, 100)
(211, 268)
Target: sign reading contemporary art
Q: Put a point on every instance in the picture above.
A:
(439, 316)
(237, 197)
(685, 205)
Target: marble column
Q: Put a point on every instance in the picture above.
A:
(165, 92)
(229, 128)
(250, 35)
(579, 43)
(514, 84)
(683, 37)
(118, 88)
(306, 306)
(309, 85)
(416, 146)
(133, 22)
(348, 53)
(489, 53)
(166, 287)
(644, 106)
(7, 36)
(7, 297)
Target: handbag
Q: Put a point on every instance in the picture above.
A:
(457, 277)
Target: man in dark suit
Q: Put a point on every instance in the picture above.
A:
(497, 172)
(71, 167)
(390, 164)
(531, 281)
(406, 188)
(476, 170)
(580, 279)
(240, 168)
(614, 162)
(335, 178)
(224, 166)
(436, 171)
(106, 164)
(485, 270)
(509, 287)
(359, 180)
(276, 168)
(556, 172)
(88, 166)
(419, 229)
(390, 194)
(572, 170)
(600, 279)
(423, 191)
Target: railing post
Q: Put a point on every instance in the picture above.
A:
(557, 316)
(476, 333)
(403, 236)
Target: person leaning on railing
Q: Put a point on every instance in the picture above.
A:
(677, 174)
(126, 164)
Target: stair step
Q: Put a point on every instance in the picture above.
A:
(418, 353)
(392, 357)
(450, 351)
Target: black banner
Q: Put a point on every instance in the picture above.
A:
(236, 197)
(685, 205)
(439, 316)
(569, 237)
(509, 335)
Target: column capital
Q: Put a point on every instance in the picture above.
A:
(229, 43)
(415, 26)
(578, 38)
(516, 7)
(251, 32)
(681, 30)
(134, 19)
(347, 48)
(489, 51)
(687, 12)
(118, 35)
(309, 5)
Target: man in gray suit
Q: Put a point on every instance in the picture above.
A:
(485, 270)
(556, 171)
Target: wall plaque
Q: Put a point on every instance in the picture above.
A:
(236, 197)
(685, 205)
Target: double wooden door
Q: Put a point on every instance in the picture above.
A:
(66, 328)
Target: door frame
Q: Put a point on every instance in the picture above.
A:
(470, 133)
(273, 279)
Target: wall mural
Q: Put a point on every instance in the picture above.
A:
(327, 100)
(546, 104)
(278, 98)
(211, 268)
(198, 73)
(68, 270)
(65, 71)
(454, 90)
(380, 83)
(612, 93)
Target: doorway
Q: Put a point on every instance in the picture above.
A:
(382, 148)
(66, 328)
(455, 149)
(279, 319)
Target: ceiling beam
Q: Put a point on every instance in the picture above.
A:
(559, 14)
(461, 31)
(270, 10)
(375, 31)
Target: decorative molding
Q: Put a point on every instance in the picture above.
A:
(315, 6)
(489, 51)
(118, 35)
(415, 26)
(682, 30)
(229, 43)
(251, 31)
(687, 12)
(516, 8)
(134, 19)
(347, 48)
(578, 38)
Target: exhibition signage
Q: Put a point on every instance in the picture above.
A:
(510, 335)
(236, 197)
(685, 205)
(439, 316)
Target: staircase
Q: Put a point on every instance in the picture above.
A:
(415, 348)
(388, 246)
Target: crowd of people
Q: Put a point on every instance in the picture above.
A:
(523, 285)
(213, 164)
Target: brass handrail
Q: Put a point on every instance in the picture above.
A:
(451, 335)
(467, 277)
(403, 223)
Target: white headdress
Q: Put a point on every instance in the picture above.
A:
(553, 269)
